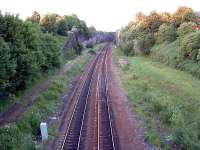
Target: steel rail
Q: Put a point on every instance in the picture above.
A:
(94, 73)
(108, 99)
(76, 104)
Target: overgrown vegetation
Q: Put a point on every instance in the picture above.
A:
(154, 33)
(167, 101)
(25, 132)
(26, 52)
(32, 48)
(56, 24)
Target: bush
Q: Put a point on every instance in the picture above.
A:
(51, 51)
(7, 67)
(166, 33)
(148, 43)
(186, 28)
(198, 55)
(127, 48)
(12, 138)
(25, 52)
(190, 43)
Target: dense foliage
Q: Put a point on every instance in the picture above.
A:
(174, 40)
(157, 28)
(56, 24)
(32, 47)
(25, 51)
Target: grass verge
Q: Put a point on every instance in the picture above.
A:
(168, 53)
(167, 101)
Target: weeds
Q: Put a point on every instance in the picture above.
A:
(165, 95)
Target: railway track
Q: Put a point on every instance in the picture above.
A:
(104, 134)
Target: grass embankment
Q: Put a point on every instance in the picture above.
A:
(22, 134)
(168, 53)
(167, 101)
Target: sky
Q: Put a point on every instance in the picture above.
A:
(105, 15)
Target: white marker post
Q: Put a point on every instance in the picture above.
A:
(43, 129)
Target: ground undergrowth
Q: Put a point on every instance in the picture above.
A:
(167, 101)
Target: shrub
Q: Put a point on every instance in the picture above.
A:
(148, 42)
(7, 67)
(127, 48)
(51, 51)
(190, 43)
(198, 56)
(186, 28)
(25, 52)
(166, 33)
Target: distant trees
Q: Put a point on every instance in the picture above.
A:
(35, 18)
(62, 26)
(156, 28)
(49, 23)
(56, 24)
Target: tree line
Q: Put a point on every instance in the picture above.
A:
(153, 29)
(32, 47)
(57, 24)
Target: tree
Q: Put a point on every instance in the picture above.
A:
(166, 33)
(153, 22)
(92, 31)
(72, 21)
(190, 44)
(7, 67)
(62, 27)
(35, 18)
(51, 51)
(166, 17)
(49, 23)
(183, 14)
(186, 28)
(140, 17)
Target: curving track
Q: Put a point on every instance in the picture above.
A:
(91, 124)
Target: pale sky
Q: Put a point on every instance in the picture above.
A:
(107, 15)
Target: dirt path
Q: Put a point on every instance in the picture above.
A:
(13, 113)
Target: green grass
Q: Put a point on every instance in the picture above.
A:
(167, 53)
(166, 99)
(22, 134)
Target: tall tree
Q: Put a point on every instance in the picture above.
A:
(49, 22)
(35, 18)
(183, 14)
